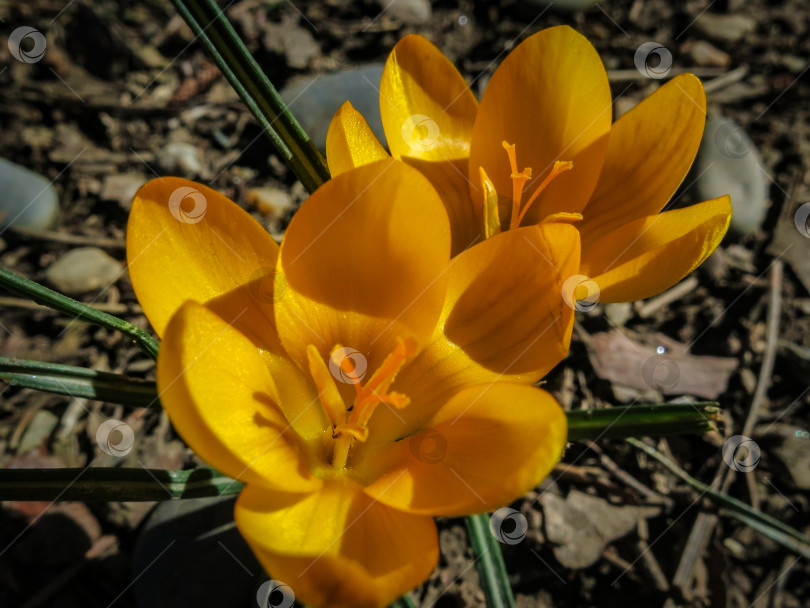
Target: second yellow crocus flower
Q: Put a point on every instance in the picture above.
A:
(541, 147)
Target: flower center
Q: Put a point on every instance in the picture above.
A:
(492, 223)
(350, 424)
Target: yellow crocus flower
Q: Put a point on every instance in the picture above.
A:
(321, 374)
(540, 147)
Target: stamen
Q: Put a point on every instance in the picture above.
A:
(519, 180)
(562, 217)
(492, 220)
(560, 167)
(328, 393)
(368, 397)
(378, 385)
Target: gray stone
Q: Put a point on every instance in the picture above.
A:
(180, 158)
(726, 27)
(728, 163)
(314, 100)
(411, 12)
(122, 188)
(29, 200)
(42, 425)
(83, 269)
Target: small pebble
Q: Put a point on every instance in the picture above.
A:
(29, 199)
(314, 100)
(122, 188)
(728, 163)
(180, 158)
(271, 202)
(619, 313)
(705, 53)
(83, 269)
(409, 12)
(726, 27)
(39, 429)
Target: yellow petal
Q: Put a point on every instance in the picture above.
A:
(186, 241)
(363, 263)
(505, 318)
(504, 304)
(550, 97)
(426, 106)
(651, 149)
(650, 254)
(488, 445)
(350, 141)
(449, 178)
(220, 396)
(337, 547)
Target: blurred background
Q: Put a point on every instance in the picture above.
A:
(96, 98)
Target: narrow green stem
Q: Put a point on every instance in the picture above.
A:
(642, 421)
(772, 528)
(78, 382)
(104, 484)
(402, 602)
(233, 58)
(52, 299)
(489, 562)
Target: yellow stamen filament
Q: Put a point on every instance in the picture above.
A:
(328, 392)
(560, 167)
(351, 424)
(562, 217)
(519, 179)
(492, 220)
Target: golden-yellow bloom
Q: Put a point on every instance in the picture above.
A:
(321, 374)
(541, 148)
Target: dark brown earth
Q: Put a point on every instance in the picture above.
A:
(120, 81)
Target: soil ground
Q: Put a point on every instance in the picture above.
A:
(122, 80)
